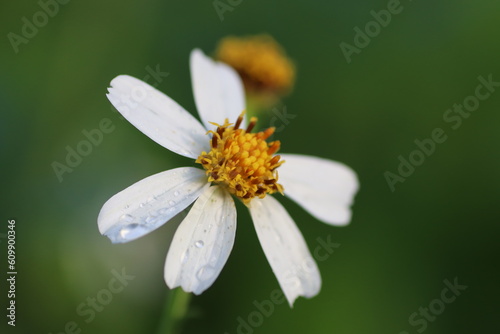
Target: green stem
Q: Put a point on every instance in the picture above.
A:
(261, 106)
(175, 311)
(252, 108)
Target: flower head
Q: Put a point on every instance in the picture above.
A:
(234, 162)
(261, 62)
(241, 161)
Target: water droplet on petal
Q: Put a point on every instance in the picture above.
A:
(132, 231)
(171, 203)
(293, 282)
(199, 244)
(150, 219)
(124, 232)
(176, 193)
(127, 218)
(205, 273)
(142, 205)
(185, 256)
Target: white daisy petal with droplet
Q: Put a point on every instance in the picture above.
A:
(217, 88)
(202, 242)
(158, 116)
(323, 187)
(149, 203)
(285, 249)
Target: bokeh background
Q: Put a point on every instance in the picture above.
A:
(440, 224)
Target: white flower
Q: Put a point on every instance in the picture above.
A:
(204, 239)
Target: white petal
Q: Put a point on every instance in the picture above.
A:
(149, 203)
(158, 116)
(323, 187)
(285, 249)
(202, 242)
(217, 88)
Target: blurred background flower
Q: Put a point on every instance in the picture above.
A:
(267, 72)
(406, 70)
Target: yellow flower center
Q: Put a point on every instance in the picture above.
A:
(242, 161)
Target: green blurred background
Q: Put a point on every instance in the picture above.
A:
(440, 224)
